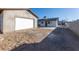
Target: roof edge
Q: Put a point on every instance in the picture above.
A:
(28, 9)
(32, 13)
(55, 18)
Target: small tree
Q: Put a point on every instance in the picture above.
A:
(45, 17)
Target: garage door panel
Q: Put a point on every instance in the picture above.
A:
(22, 23)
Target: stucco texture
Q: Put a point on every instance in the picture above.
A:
(9, 19)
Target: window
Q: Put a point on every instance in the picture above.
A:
(42, 22)
(48, 22)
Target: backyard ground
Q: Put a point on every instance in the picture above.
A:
(12, 40)
(61, 39)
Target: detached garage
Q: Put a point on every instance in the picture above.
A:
(17, 19)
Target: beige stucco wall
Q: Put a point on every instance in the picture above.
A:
(74, 26)
(9, 19)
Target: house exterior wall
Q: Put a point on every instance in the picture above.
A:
(41, 23)
(57, 23)
(74, 26)
(52, 24)
(9, 19)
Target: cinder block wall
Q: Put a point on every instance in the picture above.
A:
(74, 26)
(9, 19)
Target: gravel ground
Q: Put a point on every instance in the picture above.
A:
(61, 39)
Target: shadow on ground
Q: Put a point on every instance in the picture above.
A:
(61, 39)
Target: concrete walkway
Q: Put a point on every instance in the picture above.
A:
(61, 39)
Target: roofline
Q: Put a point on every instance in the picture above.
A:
(33, 13)
(57, 18)
(28, 9)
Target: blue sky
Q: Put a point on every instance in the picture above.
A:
(63, 13)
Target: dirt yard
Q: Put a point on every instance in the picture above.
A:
(12, 40)
(61, 39)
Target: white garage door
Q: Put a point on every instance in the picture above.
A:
(22, 23)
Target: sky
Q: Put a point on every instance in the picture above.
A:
(68, 14)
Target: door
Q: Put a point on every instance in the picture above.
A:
(22, 23)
